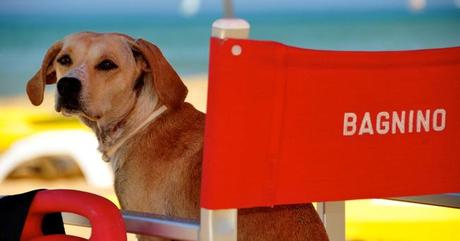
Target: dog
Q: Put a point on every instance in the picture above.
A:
(129, 95)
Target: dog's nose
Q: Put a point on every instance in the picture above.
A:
(69, 87)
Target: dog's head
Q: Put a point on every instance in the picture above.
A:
(101, 75)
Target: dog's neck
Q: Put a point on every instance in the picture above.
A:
(113, 135)
(109, 150)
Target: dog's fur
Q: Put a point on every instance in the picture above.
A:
(159, 169)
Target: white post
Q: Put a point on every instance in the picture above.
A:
(218, 225)
(221, 225)
(230, 28)
(333, 216)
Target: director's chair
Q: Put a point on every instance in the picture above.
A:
(287, 125)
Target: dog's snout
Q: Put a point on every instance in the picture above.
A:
(69, 87)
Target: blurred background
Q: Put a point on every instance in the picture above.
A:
(41, 149)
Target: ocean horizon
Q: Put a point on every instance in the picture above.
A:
(185, 41)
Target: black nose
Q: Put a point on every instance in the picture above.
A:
(69, 87)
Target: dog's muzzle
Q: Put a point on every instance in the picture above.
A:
(69, 89)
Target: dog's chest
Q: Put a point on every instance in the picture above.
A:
(144, 188)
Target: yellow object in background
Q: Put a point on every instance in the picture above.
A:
(385, 220)
(19, 122)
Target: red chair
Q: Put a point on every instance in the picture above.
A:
(287, 125)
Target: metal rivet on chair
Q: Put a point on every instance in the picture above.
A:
(236, 50)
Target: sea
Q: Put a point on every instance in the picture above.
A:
(185, 40)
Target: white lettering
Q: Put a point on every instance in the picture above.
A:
(395, 122)
(411, 121)
(382, 127)
(366, 125)
(423, 120)
(439, 119)
(398, 121)
(349, 124)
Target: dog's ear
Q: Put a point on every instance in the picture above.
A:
(169, 87)
(45, 75)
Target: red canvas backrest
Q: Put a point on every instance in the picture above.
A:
(289, 125)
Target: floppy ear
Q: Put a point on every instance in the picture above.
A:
(45, 75)
(169, 87)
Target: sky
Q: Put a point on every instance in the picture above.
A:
(202, 6)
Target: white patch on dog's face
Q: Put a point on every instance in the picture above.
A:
(107, 70)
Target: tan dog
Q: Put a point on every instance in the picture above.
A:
(126, 91)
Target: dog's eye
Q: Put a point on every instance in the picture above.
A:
(106, 65)
(65, 60)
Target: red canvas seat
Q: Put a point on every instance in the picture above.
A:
(289, 125)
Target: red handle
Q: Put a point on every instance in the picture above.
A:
(105, 218)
